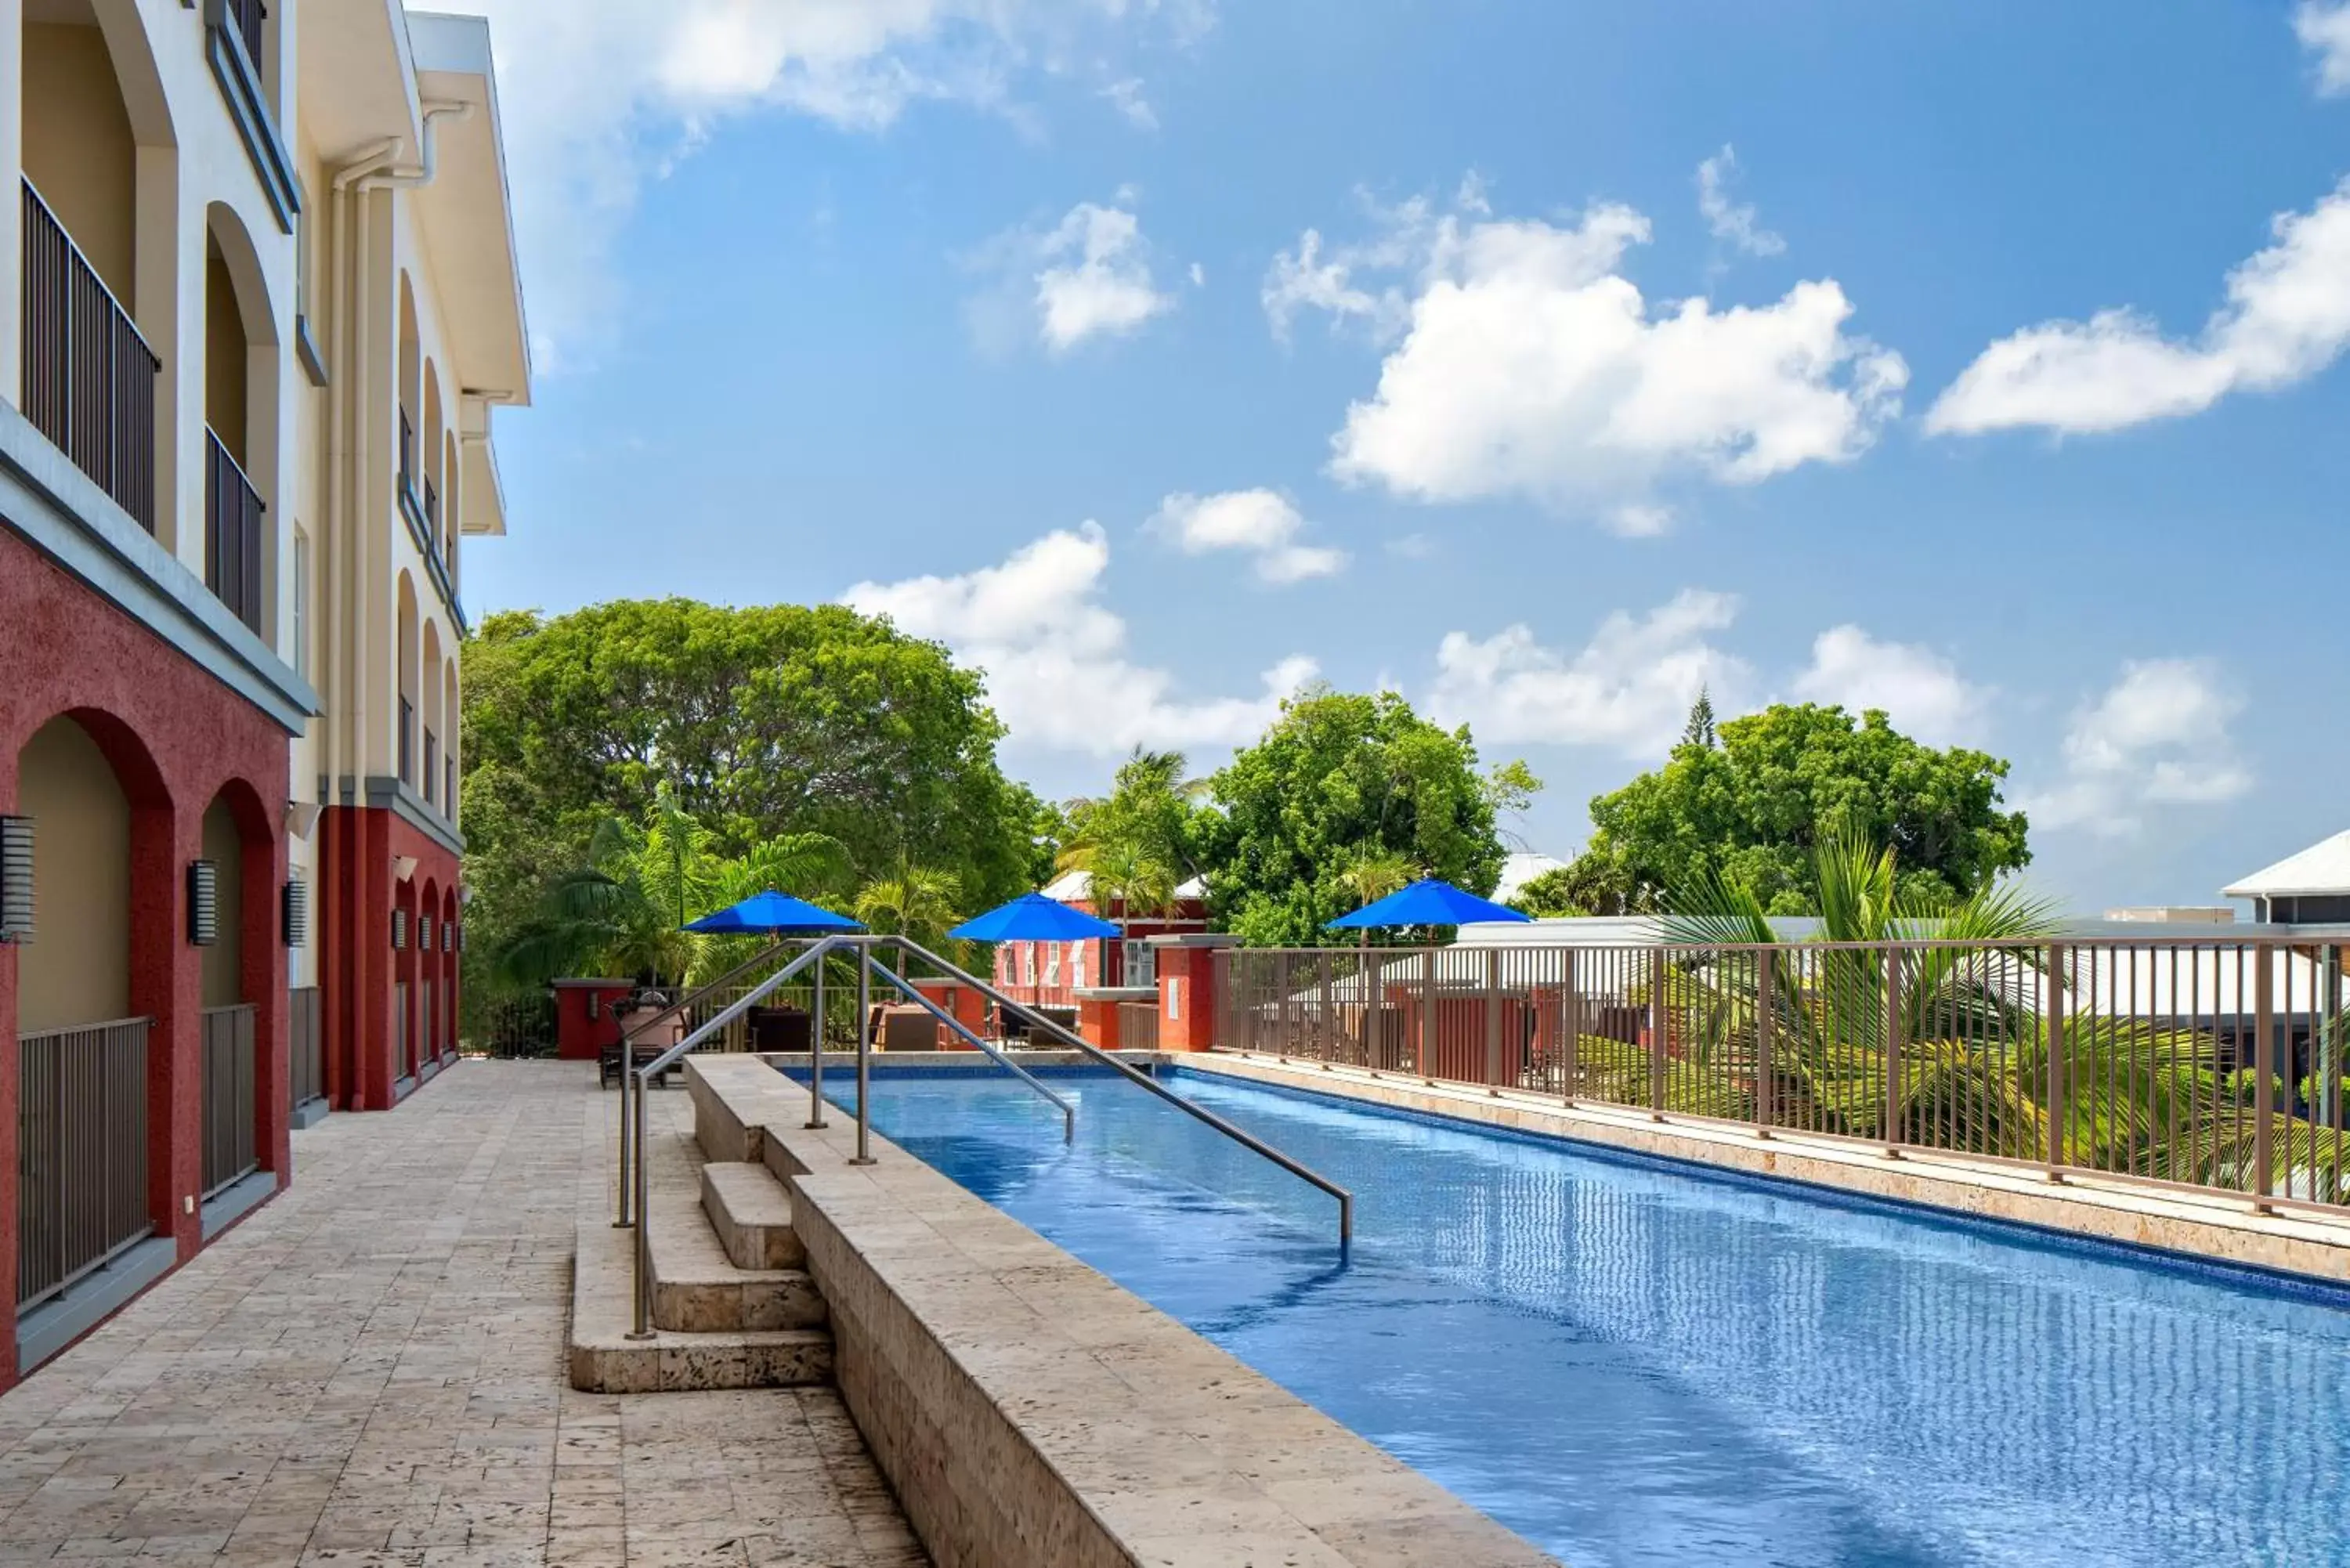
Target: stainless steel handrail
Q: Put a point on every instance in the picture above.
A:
(642, 1325)
(1068, 1112)
(628, 1039)
(1248, 1140)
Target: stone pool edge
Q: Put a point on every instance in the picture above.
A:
(2292, 1243)
(1026, 1409)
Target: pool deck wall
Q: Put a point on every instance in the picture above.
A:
(1027, 1409)
(2224, 1228)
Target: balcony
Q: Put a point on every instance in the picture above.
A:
(407, 742)
(233, 535)
(420, 507)
(432, 766)
(90, 377)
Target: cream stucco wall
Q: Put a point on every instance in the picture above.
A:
(76, 969)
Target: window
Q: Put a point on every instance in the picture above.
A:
(1027, 963)
(1053, 964)
(301, 603)
(306, 342)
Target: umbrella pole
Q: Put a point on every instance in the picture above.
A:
(816, 1048)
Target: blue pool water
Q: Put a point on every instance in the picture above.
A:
(1638, 1363)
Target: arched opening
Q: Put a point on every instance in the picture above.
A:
(240, 418)
(452, 511)
(412, 370)
(237, 977)
(93, 1000)
(404, 678)
(454, 717)
(403, 986)
(448, 956)
(429, 683)
(430, 992)
(95, 126)
(430, 481)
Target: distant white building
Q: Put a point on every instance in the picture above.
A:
(2312, 887)
(1518, 871)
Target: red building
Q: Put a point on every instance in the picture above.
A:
(1051, 974)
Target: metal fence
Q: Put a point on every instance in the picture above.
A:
(518, 1025)
(233, 533)
(1138, 1026)
(81, 1128)
(228, 1093)
(2212, 1063)
(88, 376)
(306, 1048)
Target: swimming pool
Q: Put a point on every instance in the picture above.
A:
(1634, 1362)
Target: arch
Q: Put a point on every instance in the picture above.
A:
(239, 842)
(404, 678)
(412, 370)
(429, 703)
(453, 514)
(452, 714)
(81, 877)
(449, 969)
(428, 472)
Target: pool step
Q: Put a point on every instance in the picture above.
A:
(698, 1289)
(751, 1214)
(605, 1358)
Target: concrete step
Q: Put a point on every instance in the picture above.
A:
(751, 1214)
(698, 1289)
(605, 1360)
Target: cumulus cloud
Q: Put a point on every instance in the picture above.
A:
(1731, 223)
(1921, 692)
(2324, 30)
(1525, 364)
(1262, 523)
(2158, 736)
(2287, 318)
(1126, 95)
(1629, 688)
(1085, 279)
(1058, 671)
(599, 97)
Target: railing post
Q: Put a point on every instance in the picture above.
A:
(1494, 1019)
(1570, 1025)
(2264, 1082)
(1765, 1083)
(816, 1049)
(1428, 1016)
(2057, 1111)
(1892, 1052)
(1324, 963)
(640, 1320)
(864, 1054)
(1657, 1034)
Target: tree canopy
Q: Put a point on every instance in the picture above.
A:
(1749, 803)
(758, 722)
(1340, 785)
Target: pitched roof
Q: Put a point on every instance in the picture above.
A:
(2323, 868)
(1075, 887)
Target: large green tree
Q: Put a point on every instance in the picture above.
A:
(1750, 801)
(758, 722)
(1338, 782)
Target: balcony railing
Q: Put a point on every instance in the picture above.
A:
(432, 513)
(306, 1052)
(81, 1121)
(228, 1093)
(432, 766)
(89, 376)
(245, 16)
(449, 787)
(233, 535)
(407, 742)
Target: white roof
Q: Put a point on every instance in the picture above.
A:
(1077, 886)
(2323, 868)
(1518, 871)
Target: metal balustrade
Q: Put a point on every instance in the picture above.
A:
(306, 1049)
(90, 377)
(229, 1101)
(233, 538)
(81, 1150)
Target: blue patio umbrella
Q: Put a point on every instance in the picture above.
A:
(1427, 902)
(773, 914)
(1032, 918)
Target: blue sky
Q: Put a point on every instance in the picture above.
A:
(1157, 356)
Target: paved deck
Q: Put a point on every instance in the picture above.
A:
(369, 1370)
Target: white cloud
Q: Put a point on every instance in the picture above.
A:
(1056, 656)
(1921, 692)
(1093, 278)
(2325, 31)
(1308, 278)
(1630, 689)
(600, 97)
(2158, 736)
(2287, 318)
(1125, 97)
(1529, 366)
(1263, 522)
(1734, 224)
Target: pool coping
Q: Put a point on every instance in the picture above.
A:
(2292, 1251)
(1025, 1407)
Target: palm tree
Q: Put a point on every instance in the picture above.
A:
(913, 901)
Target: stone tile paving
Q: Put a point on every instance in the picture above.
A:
(368, 1370)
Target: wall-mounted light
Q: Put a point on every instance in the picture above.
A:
(295, 911)
(398, 929)
(15, 878)
(301, 817)
(204, 903)
(403, 866)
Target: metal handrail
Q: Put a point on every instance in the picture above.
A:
(644, 1075)
(1247, 1139)
(629, 1038)
(1068, 1112)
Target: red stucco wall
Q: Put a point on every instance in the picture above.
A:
(177, 739)
(359, 889)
